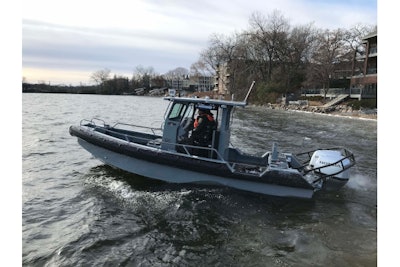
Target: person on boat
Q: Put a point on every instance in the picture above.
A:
(203, 128)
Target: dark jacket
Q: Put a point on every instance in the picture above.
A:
(204, 126)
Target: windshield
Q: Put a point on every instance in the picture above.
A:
(176, 111)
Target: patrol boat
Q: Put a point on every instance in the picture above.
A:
(165, 154)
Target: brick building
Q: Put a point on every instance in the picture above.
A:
(364, 80)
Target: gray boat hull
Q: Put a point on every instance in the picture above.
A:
(178, 175)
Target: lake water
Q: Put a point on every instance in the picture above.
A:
(78, 212)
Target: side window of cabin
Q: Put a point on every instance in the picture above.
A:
(176, 111)
(189, 112)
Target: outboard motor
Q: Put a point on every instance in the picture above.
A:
(337, 174)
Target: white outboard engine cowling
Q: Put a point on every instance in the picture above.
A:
(322, 158)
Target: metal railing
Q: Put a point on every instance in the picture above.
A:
(186, 149)
(92, 122)
(321, 92)
(334, 92)
(152, 129)
(307, 169)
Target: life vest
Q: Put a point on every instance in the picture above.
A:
(209, 117)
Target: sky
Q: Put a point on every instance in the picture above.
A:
(64, 42)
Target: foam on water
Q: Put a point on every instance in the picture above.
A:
(361, 182)
(129, 197)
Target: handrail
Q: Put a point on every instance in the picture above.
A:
(186, 147)
(138, 126)
(124, 135)
(92, 121)
(105, 125)
(211, 149)
(81, 123)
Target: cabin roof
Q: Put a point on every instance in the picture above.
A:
(205, 101)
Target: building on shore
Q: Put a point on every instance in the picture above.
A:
(222, 80)
(364, 80)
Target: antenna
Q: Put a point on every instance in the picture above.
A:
(248, 92)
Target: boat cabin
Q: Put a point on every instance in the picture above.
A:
(179, 120)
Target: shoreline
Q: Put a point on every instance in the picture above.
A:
(338, 111)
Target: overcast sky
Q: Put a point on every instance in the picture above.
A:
(66, 41)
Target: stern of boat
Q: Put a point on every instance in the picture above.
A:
(330, 167)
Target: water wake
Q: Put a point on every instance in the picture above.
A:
(361, 182)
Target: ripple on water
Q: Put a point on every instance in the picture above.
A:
(77, 212)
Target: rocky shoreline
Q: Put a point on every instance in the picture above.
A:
(337, 110)
(315, 107)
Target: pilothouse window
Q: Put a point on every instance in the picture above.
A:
(176, 111)
(189, 111)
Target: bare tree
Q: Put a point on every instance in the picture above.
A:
(199, 68)
(353, 42)
(141, 71)
(328, 54)
(177, 73)
(142, 76)
(295, 55)
(268, 34)
(175, 77)
(226, 50)
(100, 76)
(222, 49)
